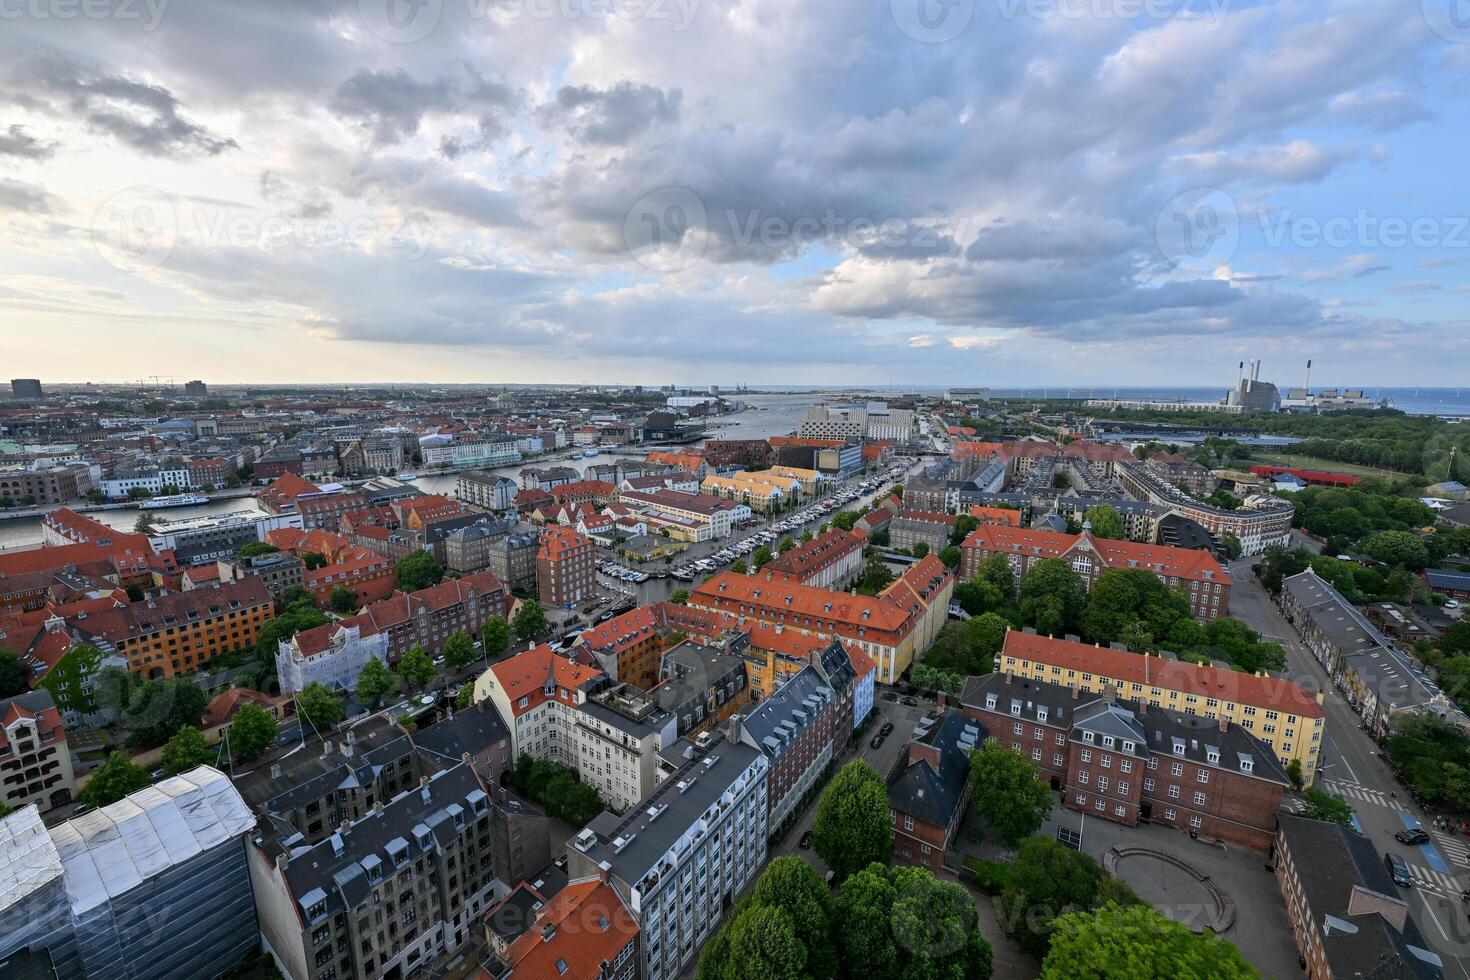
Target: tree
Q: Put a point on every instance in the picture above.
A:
(1231, 545)
(318, 706)
(251, 732)
(374, 682)
(312, 560)
(761, 557)
(1134, 942)
(415, 669)
(852, 828)
(786, 545)
(459, 650)
(806, 535)
(1401, 549)
(300, 614)
(793, 885)
(679, 597)
(1052, 597)
(1322, 805)
(1294, 773)
(903, 923)
(494, 636)
(465, 698)
(114, 779)
(875, 578)
(845, 519)
(763, 946)
(739, 568)
(185, 751)
(1124, 598)
(1007, 793)
(12, 675)
(950, 556)
(418, 571)
(157, 709)
(1047, 880)
(530, 620)
(1105, 520)
(255, 549)
(343, 600)
(919, 550)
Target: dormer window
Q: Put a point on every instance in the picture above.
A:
(1212, 756)
(1087, 736)
(990, 701)
(1107, 741)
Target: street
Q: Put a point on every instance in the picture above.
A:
(1350, 768)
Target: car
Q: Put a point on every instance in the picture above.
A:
(1452, 604)
(806, 841)
(1412, 835)
(1398, 870)
(876, 741)
(910, 702)
(886, 730)
(889, 696)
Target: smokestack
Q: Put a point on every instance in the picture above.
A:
(1309, 378)
(1239, 375)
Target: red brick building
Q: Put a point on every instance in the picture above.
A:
(1131, 763)
(1204, 580)
(566, 571)
(430, 616)
(929, 789)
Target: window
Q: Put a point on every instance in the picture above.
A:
(1061, 738)
(1148, 785)
(1081, 800)
(1087, 736)
(1102, 783)
(1106, 761)
(1199, 799)
(1119, 810)
(1036, 755)
(1056, 759)
(1125, 765)
(1107, 741)
(1173, 791)
(1195, 822)
(1086, 755)
(1017, 728)
(1203, 775)
(1177, 769)
(908, 822)
(1122, 789)
(1082, 777)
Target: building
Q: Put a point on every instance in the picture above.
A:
(477, 735)
(1448, 581)
(1130, 761)
(486, 490)
(429, 617)
(468, 548)
(566, 568)
(915, 527)
(200, 540)
(585, 930)
(332, 654)
(26, 389)
(1204, 581)
(687, 516)
(278, 571)
(42, 485)
(1377, 680)
(155, 883)
(196, 389)
(929, 789)
(1279, 712)
(831, 560)
(180, 632)
(35, 759)
(761, 492)
(892, 628)
(685, 853)
(1262, 522)
(1316, 478)
(737, 453)
(629, 647)
(513, 558)
(702, 684)
(794, 729)
(387, 894)
(538, 693)
(1343, 906)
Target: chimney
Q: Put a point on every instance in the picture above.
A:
(1224, 723)
(732, 729)
(275, 770)
(1076, 691)
(378, 807)
(326, 748)
(344, 827)
(464, 757)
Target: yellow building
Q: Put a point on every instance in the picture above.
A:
(759, 491)
(811, 480)
(1279, 712)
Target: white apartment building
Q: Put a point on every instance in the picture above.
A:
(154, 483)
(332, 655)
(684, 854)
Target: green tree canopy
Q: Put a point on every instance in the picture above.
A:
(530, 621)
(1053, 597)
(494, 636)
(1010, 798)
(319, 706)
(845, 519)
(415, 668)
(1047, 880)
(374, 682)
(251, 732)
(852, 828)
(459, 650)
(786, 545)
(875, 578)
(1123, 598)
(1135, 942)
(12, 675)
(903, 923)
(255, 549)
(764, 946)
(1105, 520)
(950, 555)
(793, 885)
(343, 600)
(1322, 805)
(114, 779)
(157, 709)
(418, 571)
(1401, 549)
(679, 597)
(761, 557)
(185, 751)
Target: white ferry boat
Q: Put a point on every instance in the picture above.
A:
(176, 500)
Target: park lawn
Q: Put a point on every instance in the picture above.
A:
(1295, 461)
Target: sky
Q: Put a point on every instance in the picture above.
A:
(979, 192)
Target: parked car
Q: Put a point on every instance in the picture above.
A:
(806, 840)
(876, 741)
(886, 729)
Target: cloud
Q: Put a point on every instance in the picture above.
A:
(16, 142)
(390, 105)
(610, 117)
(26, 198)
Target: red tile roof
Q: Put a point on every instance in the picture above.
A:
(1134, 668)
(585, 926)
(525, 676)
(1184, 563)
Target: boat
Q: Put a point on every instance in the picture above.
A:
(406, 477)
(590, 453)
(174, 500)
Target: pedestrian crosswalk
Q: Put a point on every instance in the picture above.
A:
(1456, 850)
(1363, 794)
(1436, 882)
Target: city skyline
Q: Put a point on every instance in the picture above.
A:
(530, 192)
